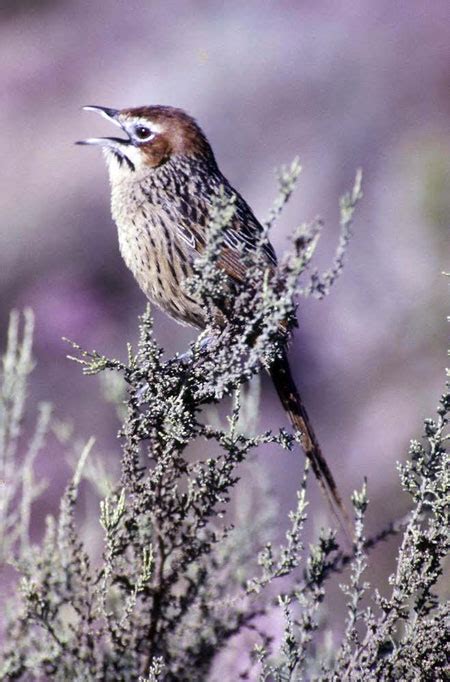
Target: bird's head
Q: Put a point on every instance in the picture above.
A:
(153, 136)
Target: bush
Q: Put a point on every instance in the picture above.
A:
(178, 581)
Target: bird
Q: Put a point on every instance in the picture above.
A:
(164, 179)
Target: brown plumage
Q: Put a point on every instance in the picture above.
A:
(164, 179)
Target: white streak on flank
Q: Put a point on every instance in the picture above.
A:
(187, 236)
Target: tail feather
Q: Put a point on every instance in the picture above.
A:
(281, 375)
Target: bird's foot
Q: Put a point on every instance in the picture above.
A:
(200, 346)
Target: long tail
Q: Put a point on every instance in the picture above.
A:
(281, 375)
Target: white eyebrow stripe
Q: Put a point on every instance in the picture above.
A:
(154, 127)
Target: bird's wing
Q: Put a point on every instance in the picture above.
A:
(241, 235)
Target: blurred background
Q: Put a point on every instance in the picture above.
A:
(342, 84)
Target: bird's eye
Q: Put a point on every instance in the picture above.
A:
(143, 133)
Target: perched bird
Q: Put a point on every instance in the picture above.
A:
(164, 179)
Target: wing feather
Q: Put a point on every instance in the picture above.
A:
(190, 212)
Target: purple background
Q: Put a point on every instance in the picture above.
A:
(346, 84)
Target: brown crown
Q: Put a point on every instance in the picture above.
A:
(180, 134)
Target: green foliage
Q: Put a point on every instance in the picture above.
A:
(180, 577)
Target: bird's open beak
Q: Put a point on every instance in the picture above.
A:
(111, 115)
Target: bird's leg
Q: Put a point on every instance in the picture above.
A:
(201, 345)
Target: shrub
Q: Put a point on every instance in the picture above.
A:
(178, 580)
